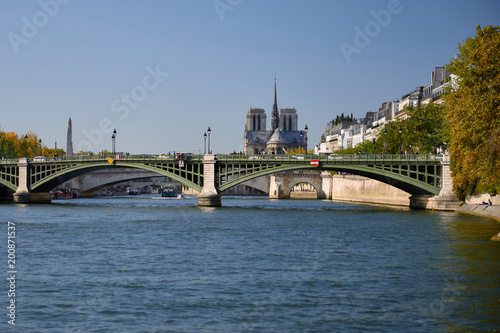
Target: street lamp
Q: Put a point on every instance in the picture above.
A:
(113, 140)
(300, 135)
(40, 145)
(205, 143)
(305, 137)
(26, 145)
(400, 140)
(208, 131)
(373, 140)
(385, 141)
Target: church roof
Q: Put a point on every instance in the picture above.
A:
(257, 136)
(280, 136)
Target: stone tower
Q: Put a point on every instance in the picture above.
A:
(69, 142)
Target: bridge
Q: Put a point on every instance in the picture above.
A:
(423, 176)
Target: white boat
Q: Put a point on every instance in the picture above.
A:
(132, 191)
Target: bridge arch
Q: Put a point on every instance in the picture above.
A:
(8, 184)
(398, 180)
(62, 176)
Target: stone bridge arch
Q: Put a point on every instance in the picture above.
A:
(90, 182)
(281, 184)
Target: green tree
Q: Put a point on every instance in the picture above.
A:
(426, 129)
(473, 105)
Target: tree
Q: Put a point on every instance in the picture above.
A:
(473, 105)
(426, 129)
(29, 145)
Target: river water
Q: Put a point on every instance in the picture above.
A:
(151, 264)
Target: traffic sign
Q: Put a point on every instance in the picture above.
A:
(181, 163)
(315, 163)
(117, 157)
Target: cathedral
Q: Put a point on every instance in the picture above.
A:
(282, 136)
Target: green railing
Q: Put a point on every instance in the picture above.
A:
(344, 158)
(224, 157)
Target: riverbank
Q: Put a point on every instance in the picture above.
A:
(492, 212)
(481, 210)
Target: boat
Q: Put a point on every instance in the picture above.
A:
(168, 193)
(132, 191)
(61, 195)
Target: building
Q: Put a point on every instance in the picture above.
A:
(280, 138)
(424, 95)
(346, 132)
(440, 79)
(385, 113)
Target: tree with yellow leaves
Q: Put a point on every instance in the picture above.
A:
(473, 105)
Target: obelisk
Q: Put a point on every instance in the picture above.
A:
(69, 142)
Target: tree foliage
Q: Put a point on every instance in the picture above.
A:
(13, 145)
(298, 151)
(426, 129)
(473, 106)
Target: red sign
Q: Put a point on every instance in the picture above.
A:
(117, 157)
(314, 162)
(181, 163)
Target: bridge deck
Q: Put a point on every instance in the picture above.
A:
(416, 174)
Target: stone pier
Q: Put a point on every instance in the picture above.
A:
(23, 194)
(209, 197)
(446, 200)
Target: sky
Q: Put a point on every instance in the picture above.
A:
(161, 72)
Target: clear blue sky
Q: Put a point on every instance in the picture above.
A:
(92, 60)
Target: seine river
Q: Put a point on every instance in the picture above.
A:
(151, 264)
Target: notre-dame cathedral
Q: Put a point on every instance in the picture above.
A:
(282, 136)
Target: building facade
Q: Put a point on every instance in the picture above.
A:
(348, 134)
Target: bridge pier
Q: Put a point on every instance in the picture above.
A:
(325, 192)
(23, 194)
(278, 187)
(209, 197)
(37, 197)
(446, 200)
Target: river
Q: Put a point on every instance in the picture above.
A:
(151, 264)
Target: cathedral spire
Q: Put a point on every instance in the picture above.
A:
(275, 115)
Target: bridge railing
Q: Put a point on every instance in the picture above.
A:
(141, 157)
(9, 161)
(346, 158)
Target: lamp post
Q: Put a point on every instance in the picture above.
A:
(205, 143)
(208, 131)
(373, 140)
(300, 143)
(26, 145)
(400, 140)
(305, 137)
(113, 141)
(385, 141)
(40, 145)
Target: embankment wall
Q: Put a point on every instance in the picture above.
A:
(361, 189)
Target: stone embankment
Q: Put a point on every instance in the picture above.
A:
(474, 205)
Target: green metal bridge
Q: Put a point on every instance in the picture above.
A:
(210, 174)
